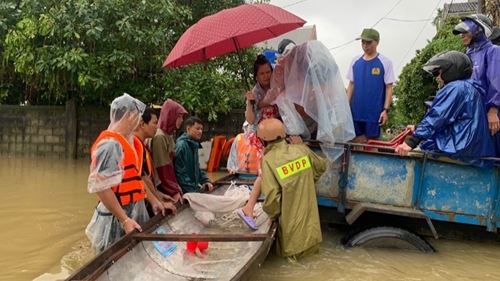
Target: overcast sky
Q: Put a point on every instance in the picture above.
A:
(338, 22)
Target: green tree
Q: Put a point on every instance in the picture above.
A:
(437, 20)
(10, 82)
(415, 85)
(94, 50)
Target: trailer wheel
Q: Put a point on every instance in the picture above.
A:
(392, 237)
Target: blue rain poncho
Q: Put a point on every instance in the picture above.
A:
(485, 58)
(456, 124)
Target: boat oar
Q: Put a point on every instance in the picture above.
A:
(200, 237)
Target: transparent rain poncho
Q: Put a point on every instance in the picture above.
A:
(312, 80)
(104, 229)
(106, 169)
(241, 146)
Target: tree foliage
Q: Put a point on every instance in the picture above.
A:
(415, 85)
(94, 50)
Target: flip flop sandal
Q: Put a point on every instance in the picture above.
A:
(247, 220)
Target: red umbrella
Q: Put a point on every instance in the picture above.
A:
(230, 30)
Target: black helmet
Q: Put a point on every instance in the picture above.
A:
(282, 45)
(454, 65)
(481, 20)
(495, 36)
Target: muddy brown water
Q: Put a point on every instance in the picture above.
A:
(45, 208)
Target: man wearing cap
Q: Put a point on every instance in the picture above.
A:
(369, 92)
(475, 30)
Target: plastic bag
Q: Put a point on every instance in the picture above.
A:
(205, 217)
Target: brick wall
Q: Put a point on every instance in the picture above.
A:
(48, 130)
(90, 123)
(33, 130)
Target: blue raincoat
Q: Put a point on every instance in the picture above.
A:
(485, 58)
(456, 124)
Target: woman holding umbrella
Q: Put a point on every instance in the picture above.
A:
(256, 111)
(306, 86)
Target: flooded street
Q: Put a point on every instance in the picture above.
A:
(45, 208)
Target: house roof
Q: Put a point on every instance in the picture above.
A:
(298, 36)
(461, 7)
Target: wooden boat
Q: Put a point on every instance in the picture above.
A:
(159, 252)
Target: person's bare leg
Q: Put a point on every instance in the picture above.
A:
(254, 196)
(359, 139)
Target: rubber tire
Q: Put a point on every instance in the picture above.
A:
(388, 232)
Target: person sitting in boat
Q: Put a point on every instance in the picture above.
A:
(243, 157)
(163, 148)
(186, 164)
(456, 123)
(147, 129)
(289, 173)
(114, 176)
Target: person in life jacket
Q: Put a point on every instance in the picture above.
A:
(115, 176)
(460, 132)
(243, 157)
(147, 129)
(289, 172)
(163, 148)
(475, 30)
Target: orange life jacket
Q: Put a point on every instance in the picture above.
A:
(247, 156)
(148, 157)
(131, 189)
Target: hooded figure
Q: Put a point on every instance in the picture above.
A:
(289, 172)
(163, 147)
(243, 157)
(485, 57)
(314, 100)
(456, 123)
(114, 176)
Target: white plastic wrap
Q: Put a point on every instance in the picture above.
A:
(312, 79)
(104, 229)
(125, 115)
(106, 169)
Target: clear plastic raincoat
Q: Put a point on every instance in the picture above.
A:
(107, 170)
(243, 157)
(312, 80)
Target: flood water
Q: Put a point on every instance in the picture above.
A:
(45, 208)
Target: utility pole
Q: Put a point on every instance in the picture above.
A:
(480, 6)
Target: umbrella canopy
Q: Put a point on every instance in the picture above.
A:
(230, 30)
